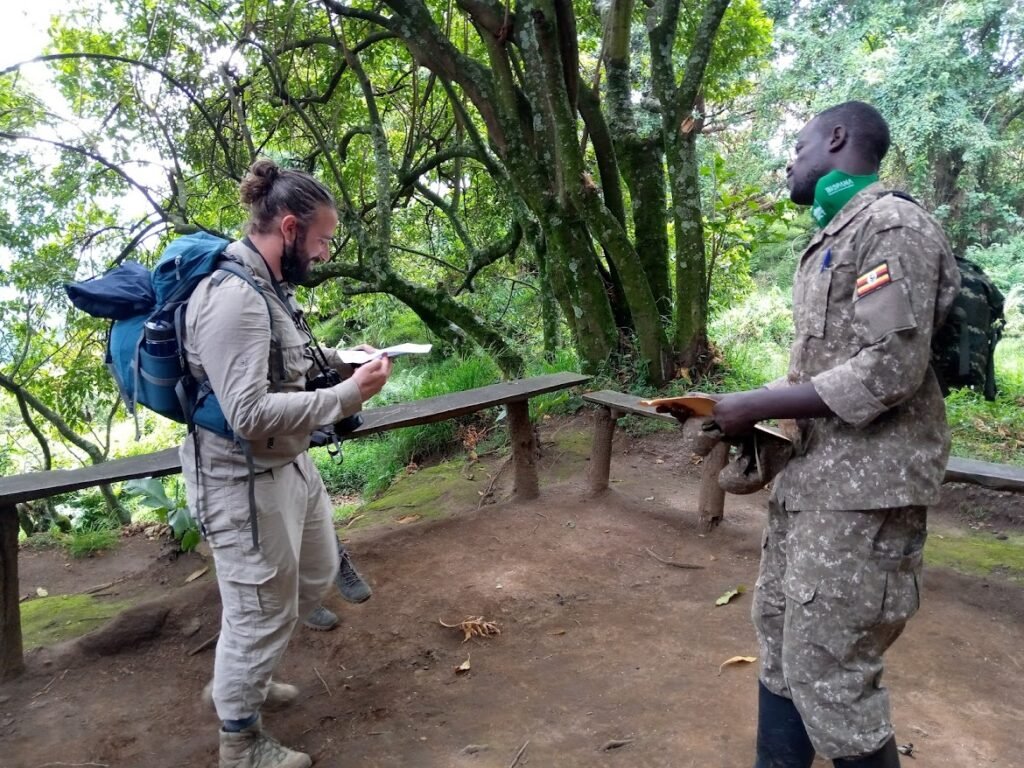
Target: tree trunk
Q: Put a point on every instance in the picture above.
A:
(548, 306)
(691, 336)
(644, 169)
(118, 512)
(580, 292)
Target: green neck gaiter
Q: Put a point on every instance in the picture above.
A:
(834, 190)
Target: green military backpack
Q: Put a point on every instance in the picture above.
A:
(963, 349)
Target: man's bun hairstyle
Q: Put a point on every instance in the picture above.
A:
(269, 191)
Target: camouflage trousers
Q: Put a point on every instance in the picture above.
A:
(835, 590)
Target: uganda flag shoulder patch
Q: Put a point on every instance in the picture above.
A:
(873, 279)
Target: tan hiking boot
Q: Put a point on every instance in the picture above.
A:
(252, 748)
(279, 696)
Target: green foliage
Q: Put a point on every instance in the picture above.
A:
(86, 541)
(87, 509)
(992, 431)
(370, 464)
(1003, 262)
(946, 76)
(151, 495)
(754, 337)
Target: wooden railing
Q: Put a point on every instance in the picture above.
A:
(514, 395)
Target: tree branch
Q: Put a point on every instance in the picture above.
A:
(486, 256)
(137, 63)
(97, 158)
(44, 444)
(94, 453)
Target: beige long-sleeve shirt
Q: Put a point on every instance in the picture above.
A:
(258, 371)
(869, 290)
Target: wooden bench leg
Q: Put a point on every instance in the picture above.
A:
(524, 447)
(601, 452)
(712, 497)
(12, 661)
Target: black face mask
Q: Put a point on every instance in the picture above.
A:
(294, 269)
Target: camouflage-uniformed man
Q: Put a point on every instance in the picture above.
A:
(841, 561)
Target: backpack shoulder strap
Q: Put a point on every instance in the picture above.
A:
(231, 265)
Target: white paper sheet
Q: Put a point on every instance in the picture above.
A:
(358, 356)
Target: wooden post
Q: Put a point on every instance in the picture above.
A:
(712, 497)
(524, 449)
(601, 452)
(12, 661)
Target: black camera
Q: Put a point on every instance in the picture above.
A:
(329, 435)
(328, 378)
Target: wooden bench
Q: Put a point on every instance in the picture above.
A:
(614, 405)
(514, 395)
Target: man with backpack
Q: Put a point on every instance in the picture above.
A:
(841, 554)
(258, 498)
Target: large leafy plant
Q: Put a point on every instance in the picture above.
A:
(150, 493)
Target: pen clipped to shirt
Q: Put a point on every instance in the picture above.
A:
(826, 260)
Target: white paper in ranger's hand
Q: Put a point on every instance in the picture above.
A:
(358, 356)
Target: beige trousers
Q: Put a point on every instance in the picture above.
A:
(264, 592)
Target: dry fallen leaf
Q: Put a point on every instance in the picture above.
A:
(736, 660)
(728, 596)
(474, 626)
(463, 667)
(196, 574)
(407, 519)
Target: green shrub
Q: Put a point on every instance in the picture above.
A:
(754, 338)
(992, 431)
(87, 541)
(369, 464)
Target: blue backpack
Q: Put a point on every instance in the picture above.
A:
(145, 347)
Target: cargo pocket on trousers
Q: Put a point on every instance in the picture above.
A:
(769, 601)
(247, 572)
(902, 595)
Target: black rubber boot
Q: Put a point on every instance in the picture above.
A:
(887, 757)
(782, 740)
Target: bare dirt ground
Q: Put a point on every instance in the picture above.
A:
(600, 642)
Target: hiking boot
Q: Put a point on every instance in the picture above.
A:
(252, 748)
(279, 696)
(321, 620)
(350, 584)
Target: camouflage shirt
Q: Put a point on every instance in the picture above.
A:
(869, 290)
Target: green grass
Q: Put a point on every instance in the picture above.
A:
(49, 620)
(79, 542)
(992, 431)
(370, 464)
(977, 553)
(87, 542)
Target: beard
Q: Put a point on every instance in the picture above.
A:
(802, 188)
(295, 266)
